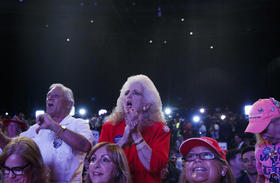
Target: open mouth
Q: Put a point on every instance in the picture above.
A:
(199, 169)
(128, 104)
(97, 173)
(50, 105)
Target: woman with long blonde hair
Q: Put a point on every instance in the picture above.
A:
(137, 125)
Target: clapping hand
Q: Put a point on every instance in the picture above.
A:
(133, 121)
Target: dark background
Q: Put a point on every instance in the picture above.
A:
(110, 40)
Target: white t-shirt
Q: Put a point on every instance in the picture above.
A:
(66, 165)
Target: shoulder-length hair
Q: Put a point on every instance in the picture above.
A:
(150, 96)
(29, 151)
(228, 178)
(119, 159)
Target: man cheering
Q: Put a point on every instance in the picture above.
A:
(62, 139)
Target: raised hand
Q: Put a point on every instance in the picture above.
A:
(131, 119)
(45, 122)
(143, 114)
(134, 120)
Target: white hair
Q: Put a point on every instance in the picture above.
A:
(151, 96)
(67, 92)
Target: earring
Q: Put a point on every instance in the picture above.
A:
(223, 173)
(144, 108)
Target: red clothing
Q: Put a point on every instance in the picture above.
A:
(156, 136)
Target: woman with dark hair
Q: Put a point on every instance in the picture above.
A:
(204, 162)
(21, 161)
(107, 164)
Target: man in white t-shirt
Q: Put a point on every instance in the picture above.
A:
(62, 139)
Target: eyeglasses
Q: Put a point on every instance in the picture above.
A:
(202, 156)
(15, 170)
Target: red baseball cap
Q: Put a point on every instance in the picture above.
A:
(6, 122)
(208, 142)
(262, 112)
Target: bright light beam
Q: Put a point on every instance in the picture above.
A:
(102, 111)
(247, 109)
(167, 111)
(202, 110)
(72, 112)
(196, 119)
(39, 112)
(82, 111)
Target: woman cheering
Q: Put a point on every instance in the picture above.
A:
(137, 125)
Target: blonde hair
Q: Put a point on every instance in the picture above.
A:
(29, 151)
(150, 94)
(260, 140)
(118, 158)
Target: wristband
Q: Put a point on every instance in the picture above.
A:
(139, 142)
(62, 129)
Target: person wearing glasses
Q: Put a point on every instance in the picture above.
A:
(21, 162)
(137, 125)
(62, 139)
(204, 162)
(107, 164)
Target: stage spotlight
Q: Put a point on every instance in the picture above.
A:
(223, 117)
(202, 110)
(247, 109)
(167, 111)
(82, 111)
(72, 112)
(39, 112)
(196, 119)
(102, 111)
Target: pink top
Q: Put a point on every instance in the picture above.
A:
(264, 163)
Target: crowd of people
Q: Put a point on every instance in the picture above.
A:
(136, 143)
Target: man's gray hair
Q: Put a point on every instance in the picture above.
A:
(68, 94)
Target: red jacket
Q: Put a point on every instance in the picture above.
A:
(157, 136)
